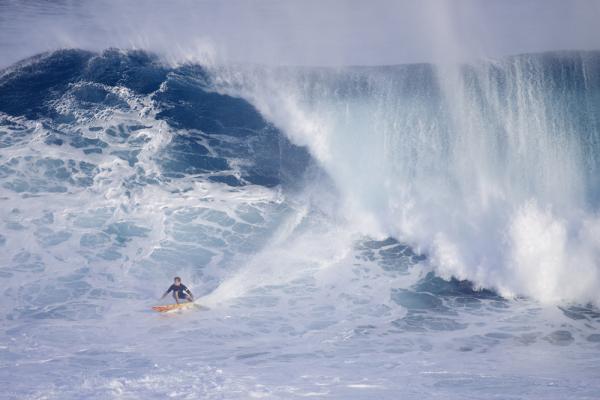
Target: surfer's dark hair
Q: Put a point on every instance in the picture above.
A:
(177, 279)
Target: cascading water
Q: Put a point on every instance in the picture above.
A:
(491, 169)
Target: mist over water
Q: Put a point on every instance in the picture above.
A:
(425, 225)
(312, 32)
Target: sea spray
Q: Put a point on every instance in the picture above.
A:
(451, 160)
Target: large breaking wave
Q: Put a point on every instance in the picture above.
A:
(313, 211)
(490, 169)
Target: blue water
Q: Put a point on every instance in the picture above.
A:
(358, 233)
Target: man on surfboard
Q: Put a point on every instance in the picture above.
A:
(180, 291)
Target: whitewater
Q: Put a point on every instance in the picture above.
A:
(409, 231)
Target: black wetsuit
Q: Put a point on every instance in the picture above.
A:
(181, 290)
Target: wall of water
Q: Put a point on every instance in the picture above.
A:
(488, 168)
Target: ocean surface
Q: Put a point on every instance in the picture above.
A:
(398, 232)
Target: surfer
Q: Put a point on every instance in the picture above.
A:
(180, 291)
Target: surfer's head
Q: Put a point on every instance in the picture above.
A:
(177, 280)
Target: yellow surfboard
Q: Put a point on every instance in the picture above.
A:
(173, 307)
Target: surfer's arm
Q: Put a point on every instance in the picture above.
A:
(190, 293)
